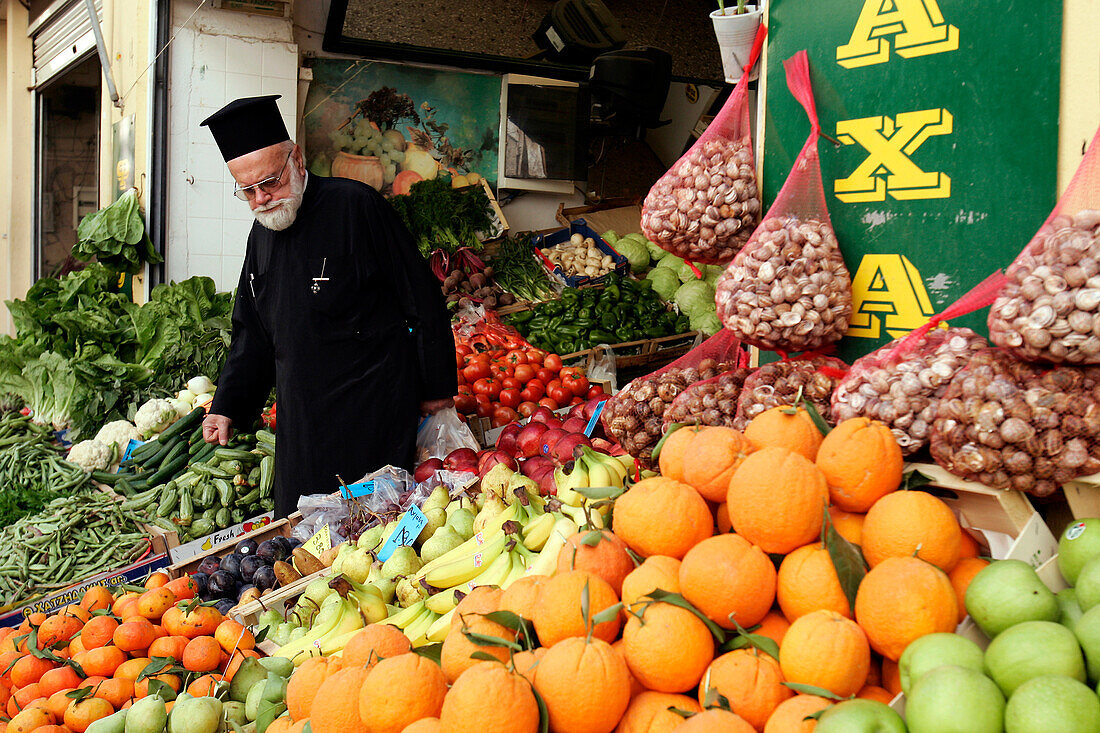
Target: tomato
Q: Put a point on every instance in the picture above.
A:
(483, 357)
(516, 357)
(460, 360)
(545, 375)
(558, 394)
(547, 402)
(576, 401)
(525, 373)
(502, 370)
(487, 386)
(465, 403)
(575, 383)
(527, 409)
(503, 415)
(510, 397)
(475, 370)
(553, 384)
(533, 392)
(535, 356)
(595, 391)
(461, 377)
(552, 362)
(484, 409)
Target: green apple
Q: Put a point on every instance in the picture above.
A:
(935, 650)
(1033, 649)
(1071, 610)
(1006, 593)
(1052, 703)
(860, 716)
(953, 699)
(1087, 631)
(1088, 585)
(1080, 542)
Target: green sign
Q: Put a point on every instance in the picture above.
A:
(943, 163)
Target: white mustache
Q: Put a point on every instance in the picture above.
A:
(271, 205)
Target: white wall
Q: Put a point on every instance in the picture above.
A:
(218, 56)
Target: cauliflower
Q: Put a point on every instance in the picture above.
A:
(154, 417)
(91, 455)
(116, 436)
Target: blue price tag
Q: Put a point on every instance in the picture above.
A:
(354, 491)
(406, 531)
(130, 447)
(595, 417)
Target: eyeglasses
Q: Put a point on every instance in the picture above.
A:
(268, 185)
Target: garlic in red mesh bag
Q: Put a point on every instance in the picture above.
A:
(903, 390)
(711, 402)
(707, 205)
(789, 289)
(1049, 310)
(1013, 425)
(785, 382)
(635, 416)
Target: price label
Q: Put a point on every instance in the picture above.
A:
(354, 491)
(406, 531)
(130, 447)
(595, 418)
(319, 542)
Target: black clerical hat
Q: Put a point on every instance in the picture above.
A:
(246, 125)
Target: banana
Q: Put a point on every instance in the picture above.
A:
(495, 572)
(334, 645)
(537, 531)
(350, 622)
(567, 483)
(471, 545)
(598, 473)
(439, 629)
(627, 462)
(468, 567)
(370, 605)
(329, 618)
(519, 569)
(578, 515)
(444, 601)
(406, 616)
(417, 631)
(611, 463)
(547, 560)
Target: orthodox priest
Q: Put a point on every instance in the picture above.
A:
(335, 308)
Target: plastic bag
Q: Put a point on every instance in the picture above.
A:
(788, 289)
(708, 203)
(635, 416)
(1049, 310)
(317, 511)
(1013, 425)
(710, 402)
(601, 367)
(441, 433)
(783, 382)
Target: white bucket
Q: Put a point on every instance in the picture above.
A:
(736, 35)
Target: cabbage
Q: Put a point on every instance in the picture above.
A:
(686, 274)
(707, 322)
(610, 237)
(655, 252)
(694, 296)
(636, 253)
(712, 273)
(664, 282)
(672, 262)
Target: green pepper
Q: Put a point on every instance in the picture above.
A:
(624, 334)
(522, 317)
(656, 332)
(569, 295)
(608, 321)
(589, 296)
(628, 297)
(642, 284)
(683, 324)
(554, 307)
(585, 312)
(612, 292)
(601, 336)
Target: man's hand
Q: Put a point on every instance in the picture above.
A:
(217, 429)
(430, 407)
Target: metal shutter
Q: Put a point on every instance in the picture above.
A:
(63, 38)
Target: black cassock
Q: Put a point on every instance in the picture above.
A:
(323, 312)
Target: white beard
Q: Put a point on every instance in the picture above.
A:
(278, 215)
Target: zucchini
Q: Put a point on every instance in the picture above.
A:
(204, 495)
(206, 469)
(233, 467)
(106, 477)
(235, 454)
(249, 499)
(167, 503)
(265, 436)
(222, 518)
(157, 458)
(187, 479)
(267, 476)
(267, 504)
(187, 422)
(201, 528)
(225, 491)
(187, 507)
(204, 453)
(169, 469)
(142, 500)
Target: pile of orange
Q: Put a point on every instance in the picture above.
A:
(104, 643)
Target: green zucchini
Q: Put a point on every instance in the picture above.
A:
(235, 454)
(185, 423)
(169, 469)
(201, 528)
(142, 500)
(204, 495)
(187, 507)
(225, 491)
(106, 477)
(168, 503)
(267, 476)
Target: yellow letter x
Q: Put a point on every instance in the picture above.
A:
(889, 144)
(917, 26)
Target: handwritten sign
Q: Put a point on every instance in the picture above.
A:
(320, 542)
(406, 531)
(354, 491)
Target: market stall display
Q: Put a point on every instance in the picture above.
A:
(32, 470)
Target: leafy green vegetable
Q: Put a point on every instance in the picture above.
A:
(707, 322)
(665, 282)
(655, 253)
(441, 217)
(695, 296)
(115, 236)
(635, 252)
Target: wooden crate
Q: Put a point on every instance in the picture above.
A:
(1083, 496)
(280, 599)
(1007, 512)
(658, 351)
(278, 528)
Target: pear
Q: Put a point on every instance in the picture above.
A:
(281, 634)
(517, 481)
(148, 714)
(115, 723)
(337, 564)
(278, 665)
(403, 561)
(494, 505)
(235, 711)
(317, 591)
(480, 499)
(371, 539)
(409, 591)
(436, 518)
(269, 711)
(196, 715)
(443, 541)
(462, 522)
(495, 482)
(356, 566)
(250, 673)
(438, 499)
(253, 699)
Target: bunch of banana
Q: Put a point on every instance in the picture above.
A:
(337, 617)
(591, 469)
(414, 622)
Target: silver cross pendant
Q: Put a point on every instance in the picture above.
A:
(316, 287)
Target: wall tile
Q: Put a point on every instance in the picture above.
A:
(243, 57)
(207, 88)
(234, 237)
(241, 85)
(204, 161)
(210, 51)
(204, 235)
(280, 60)
(231, 272)
(205, 265)
(288, 88)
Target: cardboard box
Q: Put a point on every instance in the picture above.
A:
(179, 553)
(619, 218)
(266, 530)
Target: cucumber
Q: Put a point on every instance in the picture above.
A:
(169, 469)
(204, 454)
(145, 450)
(196, 435)
(185, 423)
(142, 500)
(204, 495)
(158, 457)
(225, 491)
(106, 477)
(201, 528)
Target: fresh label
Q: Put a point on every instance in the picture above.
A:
(407, 530)
(319, 542)
(130, 448)
(1075, 531)
(354, 491)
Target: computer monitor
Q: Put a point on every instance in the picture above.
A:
(542, 134)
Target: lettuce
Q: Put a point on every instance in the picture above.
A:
(636, 253)
(695, 296)
(664, 282)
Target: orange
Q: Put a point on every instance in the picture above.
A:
(525, 662)
(106, 661)
(558, 615)
(204, 686)
(715, 721)
(649, 712)
(202, 621)
(142, 687)
(133, 635)
(96, 598)
(711, 458)
(202, 654)
(169, 646)
(807, 581)
(891, 676)
(24, 697)
(340, 711)
(232, 635)
(785, 427)
(61, 678)
(487, 697)
(98, 632)
(635, 686)
(6, 660)
(234, 662)
(862, 463)
(750, 680)
(373, 644)
(154, 602)
(671, 459)
(968, 546)
(961, 575)
(58, 629)
(130, 669)
(722, 519)
(659, 516)
(902, 599)
(667, 647)
(400, 691)
(115, 691)
(774, 626)
(826, 650)
(29, 719)
(848, 525)
(59, 702)
(790, 716)
(157, 580)
(125, 604)
(585, 685)
(304, 684)
(522, 596)
(600, 552)
(912, 523)
(29, 669)
(777, 500)
(50, 729)
(879, 694)
(455, 656)
(726, 576)
(83, 713)
(184, 589)
(424, 725)
(657, 572)
(481, 600)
